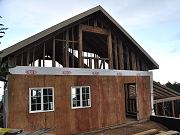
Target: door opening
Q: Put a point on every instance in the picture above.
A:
(130, 100)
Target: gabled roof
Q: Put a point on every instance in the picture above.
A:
(65, 23)
(161, 91)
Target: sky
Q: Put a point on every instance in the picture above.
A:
(154, 24)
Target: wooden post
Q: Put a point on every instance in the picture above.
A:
(133, 60)
(173, 111)
(127, 56)
(33, 62)
(87, 62)
(72, 47)
(104, 64)
(109, 43)
(27, 60)
(116, 55)
(121, 58)
(39, 63)
(53, 53)
(95, 21)
(15, 60)
(156, 108)
(90, 62)
(163, 108)
(66, 49)
(44, 53)
(137, 63)
(21, 59)
(80, 49)
(143, 65)
(101, 64)
(96, 63)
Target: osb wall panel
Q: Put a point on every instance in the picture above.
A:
(144, 97)
(107, 100)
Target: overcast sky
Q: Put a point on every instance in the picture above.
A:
(154, 24)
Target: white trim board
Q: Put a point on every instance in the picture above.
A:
(27, 70)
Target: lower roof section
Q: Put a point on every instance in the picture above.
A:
(75, 71)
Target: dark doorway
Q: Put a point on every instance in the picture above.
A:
(130, 100)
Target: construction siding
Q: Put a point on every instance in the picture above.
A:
(107, 102)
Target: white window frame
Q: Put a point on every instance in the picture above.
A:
(81, 106)
(42, 110)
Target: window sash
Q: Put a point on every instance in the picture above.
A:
(42, 100)
(81, 94)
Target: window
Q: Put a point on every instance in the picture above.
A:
(41, 99)
(80, 97)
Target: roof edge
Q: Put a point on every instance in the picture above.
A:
(65, 23)
(129, 36)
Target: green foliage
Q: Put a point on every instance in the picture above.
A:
(2, 29)
(175, 86)
(3, 68)
(3, 65)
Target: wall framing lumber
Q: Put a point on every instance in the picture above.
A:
(137, 63)
(22, 59)
(66, 49)
(90, 62)
(80, 49)
(133, 60)
(109, 43)
(115, 53)
(44, 53)
(121, 58)
(156, 108)
(73, 46)
(94, 29)
(96, 58)
(33, 57)
(27, 60)
(173, 110)
(54, 53)
(127, 56)
(15, 60)
(163, 108)
(90, 17)
(70, 41)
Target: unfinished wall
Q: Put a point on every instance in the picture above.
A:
(107, 102)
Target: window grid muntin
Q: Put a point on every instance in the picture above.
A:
(87, 89)
(50, 104)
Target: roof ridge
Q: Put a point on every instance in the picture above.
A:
(67, 22)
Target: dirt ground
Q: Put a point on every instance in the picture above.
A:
(132, 129)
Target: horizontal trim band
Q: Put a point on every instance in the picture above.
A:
(75, 71)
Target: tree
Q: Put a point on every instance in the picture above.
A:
(2, 29)
(3, 65)
(175, 86)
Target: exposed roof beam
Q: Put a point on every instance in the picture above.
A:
(166, 99)
(94, 29)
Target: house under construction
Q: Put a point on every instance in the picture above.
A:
(83, 74)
